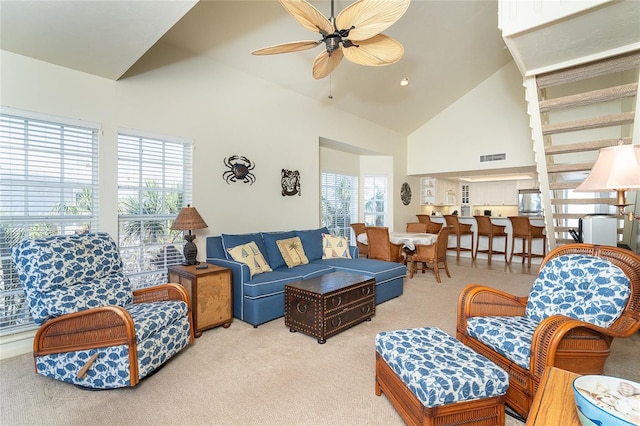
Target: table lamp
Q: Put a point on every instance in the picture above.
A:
(189, 219)
(616, 169)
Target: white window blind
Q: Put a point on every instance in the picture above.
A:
(154, 183)
(339, 203)
(48, 186)
(375, 195)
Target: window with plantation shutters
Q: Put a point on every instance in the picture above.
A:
(339, 203)
(375, 195)
(48, 186)
(154, 183)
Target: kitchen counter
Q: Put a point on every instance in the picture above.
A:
(498, 243)
(532, 218)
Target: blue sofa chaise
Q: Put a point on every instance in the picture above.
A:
(260, 298)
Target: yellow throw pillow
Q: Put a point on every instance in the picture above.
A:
(250, 255)
(292, 252)
(335, 247)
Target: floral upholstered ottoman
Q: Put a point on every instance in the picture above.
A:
(432, 378)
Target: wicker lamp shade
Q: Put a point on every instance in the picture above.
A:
(189, 219)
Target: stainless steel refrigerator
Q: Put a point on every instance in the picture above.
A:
(529, 202)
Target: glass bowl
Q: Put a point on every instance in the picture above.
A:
(606, 400)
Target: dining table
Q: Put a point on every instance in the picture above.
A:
(408, 239)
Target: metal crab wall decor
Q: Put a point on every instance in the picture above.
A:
(290, 182)
(239, 169)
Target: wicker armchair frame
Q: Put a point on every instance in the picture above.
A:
(558, 341)
(103, 327)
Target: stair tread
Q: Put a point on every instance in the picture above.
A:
(589, 123)
(589, 98)
(582, 72)
(583, 146)
(569, 167)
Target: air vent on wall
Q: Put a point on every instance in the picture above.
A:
(493, 157)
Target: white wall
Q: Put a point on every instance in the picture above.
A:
(490, 119)
(225, 112)
(332, 160)
(368, 164)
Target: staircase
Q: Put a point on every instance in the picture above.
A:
(574, 112)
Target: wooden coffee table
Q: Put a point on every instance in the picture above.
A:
(326, 305)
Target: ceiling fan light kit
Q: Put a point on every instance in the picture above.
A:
(355, 34)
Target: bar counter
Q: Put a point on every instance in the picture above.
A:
(498, 243)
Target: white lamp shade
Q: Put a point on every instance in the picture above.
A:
(617, 168)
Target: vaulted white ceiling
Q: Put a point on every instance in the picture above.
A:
(450, 47)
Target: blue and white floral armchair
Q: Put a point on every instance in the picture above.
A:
(95, 331)
(583, 297)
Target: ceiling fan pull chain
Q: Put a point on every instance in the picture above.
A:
(330, 81)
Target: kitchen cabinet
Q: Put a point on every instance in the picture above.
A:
(447, 192)
(495, 193)
(428, 191)
(526, 184)
(465, 194)
(440, 192)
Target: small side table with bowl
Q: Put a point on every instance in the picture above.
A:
(568, 399)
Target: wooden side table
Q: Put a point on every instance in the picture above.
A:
(554, 403)
(210, 293)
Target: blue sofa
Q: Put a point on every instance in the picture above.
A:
(260, 298)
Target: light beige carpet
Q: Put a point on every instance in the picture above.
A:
(267, 375)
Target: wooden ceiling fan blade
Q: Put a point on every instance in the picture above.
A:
(324, 64)
(307, 15)
(294, 46)
(370, 17)
(376, 51)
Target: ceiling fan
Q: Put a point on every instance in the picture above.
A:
(354, 33)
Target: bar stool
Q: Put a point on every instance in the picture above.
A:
(490, 230)
(522, 229)
(432, 227)
(459, 229)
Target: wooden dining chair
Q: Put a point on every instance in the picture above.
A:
(417, 227)
(431, 256)
(381, 247)
(432, 227)
(358, 228)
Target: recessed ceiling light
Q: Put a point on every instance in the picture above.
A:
(404, 82)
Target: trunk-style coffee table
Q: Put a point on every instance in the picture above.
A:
(326, 305)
